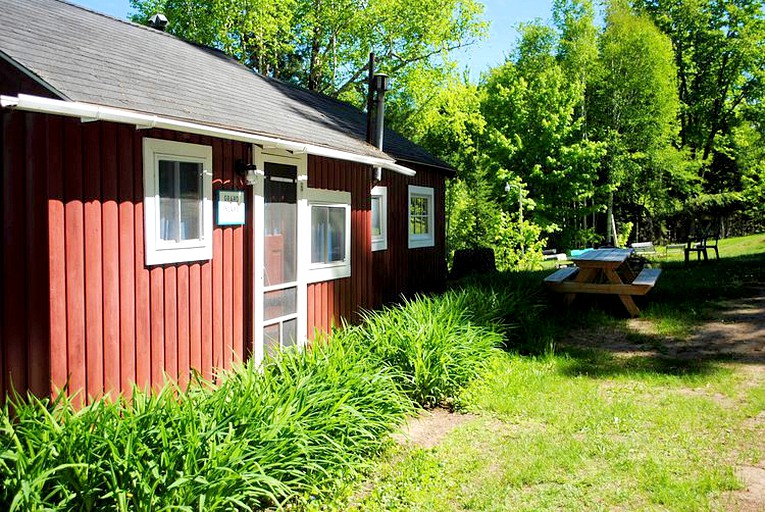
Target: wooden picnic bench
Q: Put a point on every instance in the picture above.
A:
(598, 272)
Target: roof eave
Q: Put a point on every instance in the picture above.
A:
(92, 112)
(445, 169)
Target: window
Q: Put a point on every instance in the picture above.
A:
(177, 180)
(420, 217)
(330, 234)
(379, 218)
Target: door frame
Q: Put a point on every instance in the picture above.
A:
(260, 156)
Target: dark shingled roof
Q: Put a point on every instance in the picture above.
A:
(90, 57)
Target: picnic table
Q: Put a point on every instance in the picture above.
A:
(604, 271)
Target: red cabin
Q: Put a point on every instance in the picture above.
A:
(165, 209)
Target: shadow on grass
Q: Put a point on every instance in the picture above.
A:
(599, 363)
(698, 283)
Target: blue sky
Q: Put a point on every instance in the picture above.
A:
(504, 15)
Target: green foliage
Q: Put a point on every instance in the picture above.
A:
(581, 429)
(286, 431)
(432, 342)
(625, 230)
(634, 94)
(535, 132)
(325, 45)
(259, 437)
(718, 49)
(478, 220)
(747, 145)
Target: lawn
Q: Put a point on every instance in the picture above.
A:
(577, 428)
(582, 410)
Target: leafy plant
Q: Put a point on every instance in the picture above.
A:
(435, 343)
(263, 435)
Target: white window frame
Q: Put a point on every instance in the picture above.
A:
(420, 240)
(158, 251)
(318, 272)
(380, 242)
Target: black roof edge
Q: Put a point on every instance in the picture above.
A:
(450, 171)
(38, 80)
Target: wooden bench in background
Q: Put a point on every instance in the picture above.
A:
(553, 254)
(643, 248)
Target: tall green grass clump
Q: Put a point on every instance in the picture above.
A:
(431, 342)
(258, 438)
(513, 303)
(261, 436)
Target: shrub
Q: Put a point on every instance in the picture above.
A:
(431, 342)
(514, 304)
(262, 435)
(258, 437)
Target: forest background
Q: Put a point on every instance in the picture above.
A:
(646, 116)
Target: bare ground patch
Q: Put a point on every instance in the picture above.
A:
(429, 428)
(736, 333)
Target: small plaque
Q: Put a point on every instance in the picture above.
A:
(230, 207)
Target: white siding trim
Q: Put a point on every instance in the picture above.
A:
(159, 252)
(421, 240)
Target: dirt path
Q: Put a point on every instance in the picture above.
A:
(736, 334)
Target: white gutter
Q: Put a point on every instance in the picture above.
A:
(90, 112)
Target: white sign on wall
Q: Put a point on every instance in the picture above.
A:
(230, 207)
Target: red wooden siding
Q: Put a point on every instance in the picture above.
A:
(79, 304)
(13, 82)
(330, 301)
(80, 307)
(400, 270)
(383, 276)
(24, 332)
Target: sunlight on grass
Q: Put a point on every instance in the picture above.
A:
(567, 428)
(581, 431)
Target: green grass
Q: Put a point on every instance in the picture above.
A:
(288, 433)
(557, 428)
(577, 429)
(583, 432)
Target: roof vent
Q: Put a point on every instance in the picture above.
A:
(158, 21)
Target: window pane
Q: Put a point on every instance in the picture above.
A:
(336, 239)
(271, 339)
(180, 200)
(190, 185)
(279, 303)
(289, 332)
(280, 221)
(419, 216)
(168, 201)
(318, 233)
(376, 225)
(327, 234)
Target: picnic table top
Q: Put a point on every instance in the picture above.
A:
(605, 256)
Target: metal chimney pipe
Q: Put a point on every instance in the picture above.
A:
(381, 86)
